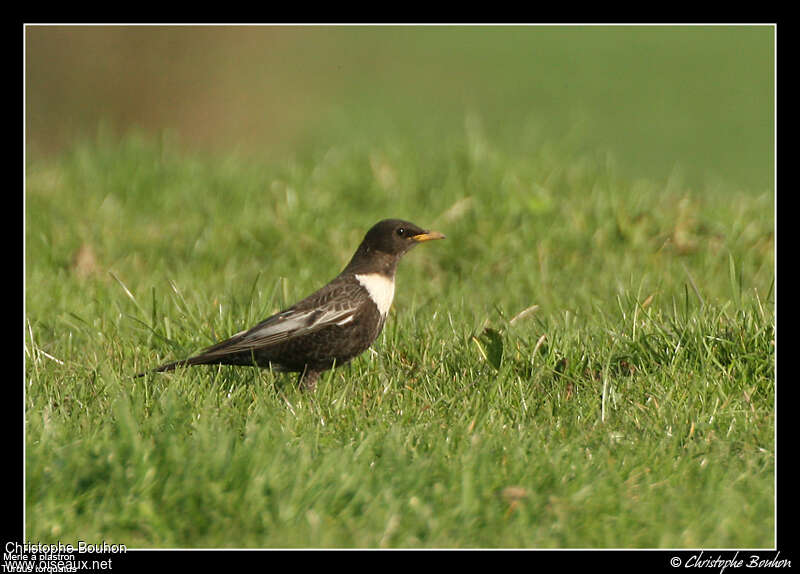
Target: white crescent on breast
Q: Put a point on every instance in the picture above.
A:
(380, 289)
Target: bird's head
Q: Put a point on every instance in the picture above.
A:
(396, 237)
(390, 239)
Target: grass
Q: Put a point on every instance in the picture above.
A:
(586, 361)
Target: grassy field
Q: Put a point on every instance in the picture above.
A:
(586, 361)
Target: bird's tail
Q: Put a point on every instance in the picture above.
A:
(211, 356)
(169, 366)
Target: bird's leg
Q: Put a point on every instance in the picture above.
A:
(308, 379)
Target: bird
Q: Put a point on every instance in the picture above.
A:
(331, 326)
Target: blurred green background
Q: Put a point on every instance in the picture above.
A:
(697, 97)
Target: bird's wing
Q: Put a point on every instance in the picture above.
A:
(335, 304)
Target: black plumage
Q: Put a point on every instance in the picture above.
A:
(332, 325)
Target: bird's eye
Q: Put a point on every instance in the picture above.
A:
(401, 231)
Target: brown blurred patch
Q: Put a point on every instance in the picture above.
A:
(217, 87)
(514, 496)
(84, 262)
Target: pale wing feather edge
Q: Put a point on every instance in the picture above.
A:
(282, 327)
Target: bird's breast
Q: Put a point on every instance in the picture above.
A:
(380, 289)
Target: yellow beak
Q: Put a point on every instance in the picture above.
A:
(428, 236)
